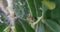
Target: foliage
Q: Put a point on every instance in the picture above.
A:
(35, 16)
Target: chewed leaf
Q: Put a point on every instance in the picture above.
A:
(49, 5)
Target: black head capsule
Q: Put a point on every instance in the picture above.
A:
(34, 19)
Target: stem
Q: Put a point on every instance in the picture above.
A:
(43, 16)
(43, 13)
(29, 7)
(11, 14)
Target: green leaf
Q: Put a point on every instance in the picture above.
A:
(7, 29)
(31, 7)
(18, 27)
(23, 26)
(55, 14)
(49, 5)
(52, 25)
(47, 29)
(2, 27)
